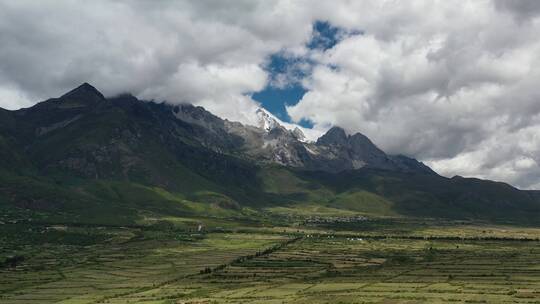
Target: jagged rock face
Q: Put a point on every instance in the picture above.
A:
(335, 151)
(299, 135)
(265, 121)
(282, 146)
(346, 152)
(335, 136)
(121, 140)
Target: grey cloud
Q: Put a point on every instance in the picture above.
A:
(522, 9)
(461, 95)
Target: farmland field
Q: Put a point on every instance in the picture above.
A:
(325, 261)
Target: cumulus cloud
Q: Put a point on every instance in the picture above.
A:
(203, 52)
(453, 84)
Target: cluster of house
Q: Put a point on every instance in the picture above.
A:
(351, 239)
(335, 219)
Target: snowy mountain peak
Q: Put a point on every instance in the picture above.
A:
(268, 122)
(265, 120)
(299, 135)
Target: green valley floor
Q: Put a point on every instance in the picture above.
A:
(347, 260)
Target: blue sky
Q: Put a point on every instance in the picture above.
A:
(275, 97)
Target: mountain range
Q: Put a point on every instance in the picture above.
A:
(83, 157)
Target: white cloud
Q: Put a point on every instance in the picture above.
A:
(204, 52)
(454, 84)
(451, 84)
(12, 99)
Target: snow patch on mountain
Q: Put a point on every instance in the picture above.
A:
(268, 121)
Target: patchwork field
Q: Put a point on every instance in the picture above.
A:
(347, 270)
(122, 266)
(308, 264)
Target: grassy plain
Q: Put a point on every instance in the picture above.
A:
(325, 258)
